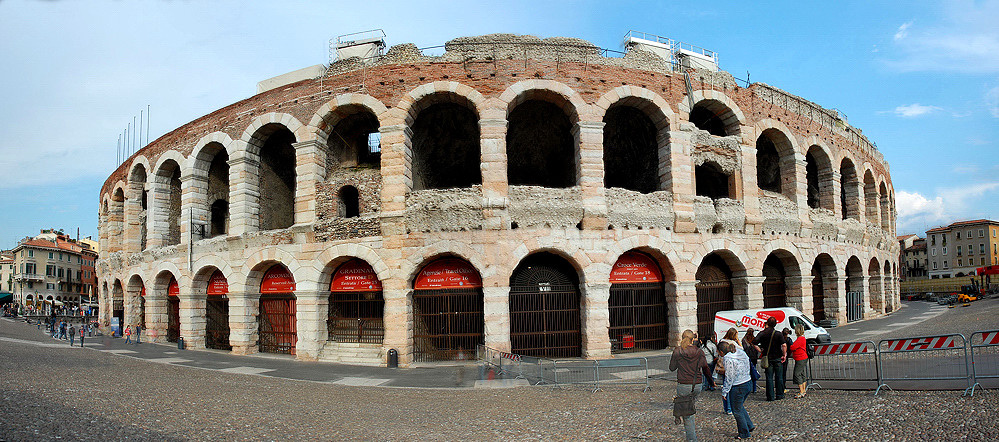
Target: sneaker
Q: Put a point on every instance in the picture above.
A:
(728, 412)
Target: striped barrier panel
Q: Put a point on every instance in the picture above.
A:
(844, 361)
(984, 357)
(924, 358)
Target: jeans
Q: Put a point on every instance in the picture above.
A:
(709, 381)
(754, 375)
(726, 407)
(737, 398)
(688, 422)
(775, 380)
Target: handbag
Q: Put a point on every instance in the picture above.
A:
(683, 406)
(765, 360)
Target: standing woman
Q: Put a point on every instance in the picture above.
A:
(737, 386)
(691, 364)
(754, 355)
(800, 360)
(731, 337)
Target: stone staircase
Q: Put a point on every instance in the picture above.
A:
(352, 353)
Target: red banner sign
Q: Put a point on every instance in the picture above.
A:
(217, 284)
(355, 275)
(448, 273)
(142, 291)
(635, 267)
(173, 289)
(277, 280)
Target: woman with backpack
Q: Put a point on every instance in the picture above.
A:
(799, 353)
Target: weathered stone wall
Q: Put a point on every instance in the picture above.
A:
(534, 206)
(780, 215)
(628, 209)
(442, 210)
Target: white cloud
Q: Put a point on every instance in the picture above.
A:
(916, 212)
(902, 31)
(992, 101)
(914, 110)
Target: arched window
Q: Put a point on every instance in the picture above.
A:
(219, 217)
(871, 202)
(166, 211)
(631, 150)
(348, 202)
(277, 178)
(446, 146)
(714, 117)
(354, 142)
(218, 192)
(356, 306)
(774, 287)
(849, 197)
(767, 165)
(540, 147)
(137, 184)
(711, 181)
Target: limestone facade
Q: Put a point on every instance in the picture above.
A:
(827, 212)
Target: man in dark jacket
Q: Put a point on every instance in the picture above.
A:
(775, 350)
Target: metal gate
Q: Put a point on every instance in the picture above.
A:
(356, 317)
(854, 306)
(544, 313)
(447, 324)
(637, 317)
(774, 293)
(217, 323)
(173, 319)
(818, 300)
(712, 297)
(278, 333)
(118, 311)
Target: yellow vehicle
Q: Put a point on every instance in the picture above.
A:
(968, 294)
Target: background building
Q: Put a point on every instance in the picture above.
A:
(913, 258)
(6, 276)
(53, 269)
(960, 248)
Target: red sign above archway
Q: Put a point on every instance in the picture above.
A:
(277, 280)
(173, 289)
(634, 267)
(217, 284)
(448, 273)
(355, 276)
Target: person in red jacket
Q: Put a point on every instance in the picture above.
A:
(800, 356)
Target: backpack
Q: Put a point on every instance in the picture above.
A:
(810, 349)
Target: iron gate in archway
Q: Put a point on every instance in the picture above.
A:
(544, 312)
(854, 306)
(217, 323)
(173, 319)
(712, 297)
(448, 324)
(637, 313)
(818, 300)
(278, 330)
(356, 317)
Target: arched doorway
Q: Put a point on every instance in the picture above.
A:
(173, 310)
(774, 287)
(544, 308)
(854, 290)
(356, 306)
(637, 305)
(823, 272)
(448, 320)
(714, 292)
(217, 312)
(117, 307)
(277, 331)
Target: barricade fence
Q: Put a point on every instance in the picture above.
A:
(984, 349)
(595, 373)
(924, 358)
(845, 361)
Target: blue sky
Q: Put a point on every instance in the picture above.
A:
(921, 79)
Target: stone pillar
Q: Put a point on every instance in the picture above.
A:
(310, 169)
(750, 191)
(747, 292)
(158, 230)
(596, 321)
(244, 309)
(800, 198)
(131, 242)
(311, 311)
(192, 318)
(496, 309)
(193, 204)
(398, 323)
(682, 181)
(244, 204)
(861, 211)
(132, 306)
(396, 181)
(157, 316)
(835, 180)
(681, 299)
(495, 184)
(589, 137)
(799, 293)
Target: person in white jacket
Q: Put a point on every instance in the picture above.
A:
(737, 386)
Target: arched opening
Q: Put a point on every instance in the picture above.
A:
(218, 192)
(540, 146)
(277, 328)
(871, 204)
(137, 184)
(631, 150)
(874, 283)
(711, 181)
(356, 306)
(167, 207)
(849, 198)
(637, 305)
(822, 271)
(347, 202)
(277, 177)
(768, 176)
(116, 218)
(545, 308)
(889, 284)
(446, 145)
(173, 310)
(714, 292)
(818, 173)
(217, 312)
(355, 141)
(854, 290)
(714, 117)
(886, 221)
(774, 287)
(448, 320)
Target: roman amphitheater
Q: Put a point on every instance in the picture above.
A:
(544, 197)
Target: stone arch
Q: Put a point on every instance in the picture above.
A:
(885, 204)
(340, 253)
(574, 255)
(411, 268)
(777, 154)
(871, 200)
(443, 143)
(731, 252)
(660, 249)
(274, 188)
(139, 161)
(165, 207)
(258, 262)
(849, 189)
(819, 174)
(542, 137)
(568, 99)
(630, 104)
(545, 301)
(210, 178)
(252, 132)
(328, 115)
(876, 287)
(719, 104)
(416, 100)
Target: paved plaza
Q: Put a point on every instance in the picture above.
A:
(110, 391)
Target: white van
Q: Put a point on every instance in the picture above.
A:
(786, 317)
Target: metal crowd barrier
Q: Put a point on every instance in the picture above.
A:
(603, 372)
(906, 359)
(984, 357)
(844, 361)
(517, 366)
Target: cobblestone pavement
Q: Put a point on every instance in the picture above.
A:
(53, 391)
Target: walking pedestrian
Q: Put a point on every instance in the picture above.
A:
(800, 356)
(773, 356)
(787, 340)
(732, 337)
(737, 386)
(72, 335)
(710, 350)
(128, 334)
(754, 355)
(82, 334)
(690, 362)
(138, 333)
(62, 330)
